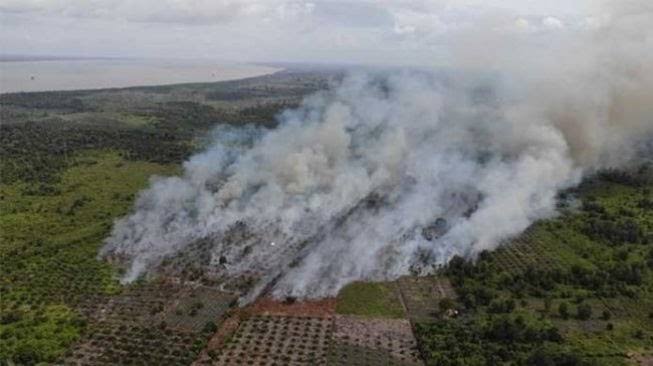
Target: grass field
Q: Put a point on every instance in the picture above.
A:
(372, 299)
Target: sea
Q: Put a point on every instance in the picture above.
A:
(78, 74)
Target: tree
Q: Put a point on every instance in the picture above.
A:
(446, 304)
(547, 304)
(584, 312)
(210, 327)
(509, 305)
(554, 356)
(563, 310)
(605, 315)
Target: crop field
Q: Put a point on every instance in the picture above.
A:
(50, 238)
(270, 332)
(377, 299)
(277, 340)
(370, 341)
(530, 250)
(422, 295)
(310, 333)
(155, 322)
(110, 345)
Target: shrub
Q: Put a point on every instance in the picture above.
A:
(446, 304)
(210, 327)
(563, 310)
(554, 357)
(584, 312)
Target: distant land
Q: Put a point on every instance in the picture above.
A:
(21, 73)
(18, 57)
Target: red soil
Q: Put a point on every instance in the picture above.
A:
(314, 308)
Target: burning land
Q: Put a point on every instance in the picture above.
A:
(492, 214)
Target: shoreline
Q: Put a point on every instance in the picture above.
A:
(93, 75)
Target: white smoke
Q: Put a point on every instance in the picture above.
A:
(351, 185)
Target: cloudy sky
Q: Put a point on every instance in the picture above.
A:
(383, 31)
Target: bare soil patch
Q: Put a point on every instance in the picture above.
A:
(313, 308)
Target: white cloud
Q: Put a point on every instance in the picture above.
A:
(297, 30)
(167, 11)
(409, 22)
(552, 23)
(522, 23)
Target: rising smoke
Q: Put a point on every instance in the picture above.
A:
(396, 172)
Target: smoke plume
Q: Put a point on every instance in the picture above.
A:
(394, 172)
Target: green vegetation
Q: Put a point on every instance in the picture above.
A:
(31, 335)
(50, 234)
(372, 299)
(70, 164)
(573, 290)
(491, 340)
(40, 132)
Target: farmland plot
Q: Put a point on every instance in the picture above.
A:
(271, 332)
(276, 340)
(365, 341)
(157, 323)
(421, 295)
(528, 251)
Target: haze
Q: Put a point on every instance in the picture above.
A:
(368, 32)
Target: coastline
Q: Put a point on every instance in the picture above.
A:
(99, 74)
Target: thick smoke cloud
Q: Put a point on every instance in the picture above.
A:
(392, 173)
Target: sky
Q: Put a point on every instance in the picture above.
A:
(367, 32)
